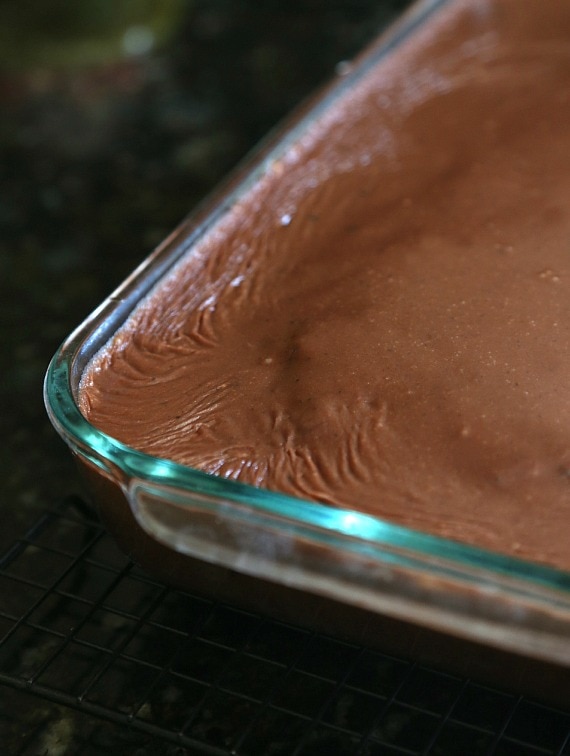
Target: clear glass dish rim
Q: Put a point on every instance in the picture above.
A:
(510, 575)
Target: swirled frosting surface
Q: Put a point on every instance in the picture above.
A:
(383, 320)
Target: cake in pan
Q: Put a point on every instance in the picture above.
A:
(382, 320)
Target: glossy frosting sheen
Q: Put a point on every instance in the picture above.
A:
(383, 321)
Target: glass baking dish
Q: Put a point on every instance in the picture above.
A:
(271, 550)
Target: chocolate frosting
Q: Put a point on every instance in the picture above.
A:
(382, 321)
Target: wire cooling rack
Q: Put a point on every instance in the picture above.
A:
(84, 628)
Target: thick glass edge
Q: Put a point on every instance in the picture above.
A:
(459, 561)
(342, 528)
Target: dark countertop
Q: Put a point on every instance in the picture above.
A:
(100, 161)
(103, 153)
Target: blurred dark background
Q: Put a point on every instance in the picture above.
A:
(116, 118)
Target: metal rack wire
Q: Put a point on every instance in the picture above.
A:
(83, 627)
